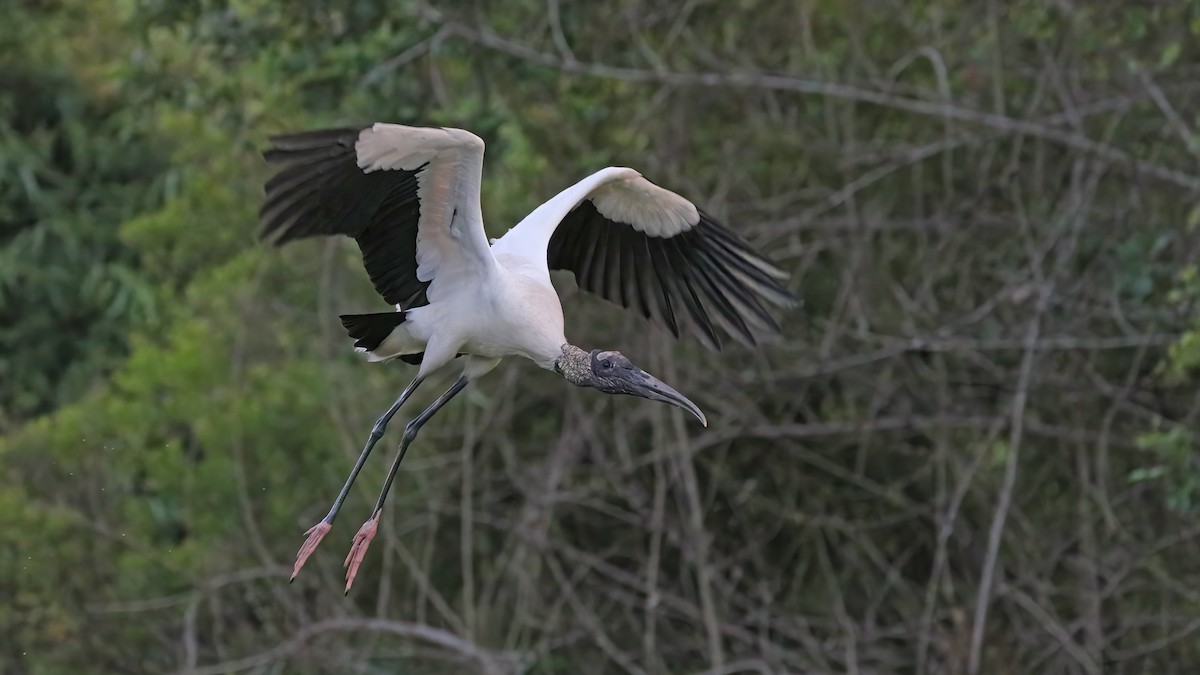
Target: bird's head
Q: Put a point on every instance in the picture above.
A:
(612, 373)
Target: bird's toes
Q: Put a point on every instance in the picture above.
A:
(314, 536)
(358, 550)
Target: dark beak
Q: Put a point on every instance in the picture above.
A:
(647, 386)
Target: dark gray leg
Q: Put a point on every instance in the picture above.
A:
(367, 532)
(317, 532)
(376, 434)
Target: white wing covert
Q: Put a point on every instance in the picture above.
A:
(408, 195)
(651, 250)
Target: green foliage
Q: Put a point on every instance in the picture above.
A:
(71, 171)
(1177, 466)
(177, 402)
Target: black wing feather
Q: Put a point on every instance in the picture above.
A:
(683, 277)
(320, 190)
(666, 285)
(703, 278)
(725, 314)
(751, 310)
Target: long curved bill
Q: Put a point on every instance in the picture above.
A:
(648, 386)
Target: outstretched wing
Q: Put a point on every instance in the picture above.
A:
(408, 195)
(649, 249)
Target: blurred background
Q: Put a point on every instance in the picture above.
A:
(974, 451)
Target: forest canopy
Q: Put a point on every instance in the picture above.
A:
(974, 451)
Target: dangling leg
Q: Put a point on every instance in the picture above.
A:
(317, 532)
(367, 532)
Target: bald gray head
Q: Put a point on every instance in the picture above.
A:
(612, 373)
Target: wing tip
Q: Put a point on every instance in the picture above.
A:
(785, 299)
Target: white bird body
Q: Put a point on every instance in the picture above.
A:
(498, 301)
(488, 302)
(514, 314)
(410, 197)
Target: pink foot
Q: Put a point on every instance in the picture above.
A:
(315, 534)
(358, 550)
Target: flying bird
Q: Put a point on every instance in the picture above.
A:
(410, 197)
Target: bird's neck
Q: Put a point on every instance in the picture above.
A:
(574, 364)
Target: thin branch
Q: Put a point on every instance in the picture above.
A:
(404, 58)
(490, 662)
(1016, 435)
(753, 80)
(1180, 126)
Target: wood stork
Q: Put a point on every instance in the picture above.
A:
(410, 197)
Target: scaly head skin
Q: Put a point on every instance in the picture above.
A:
(612, 373)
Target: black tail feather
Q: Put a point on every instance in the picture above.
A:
(370, 330)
